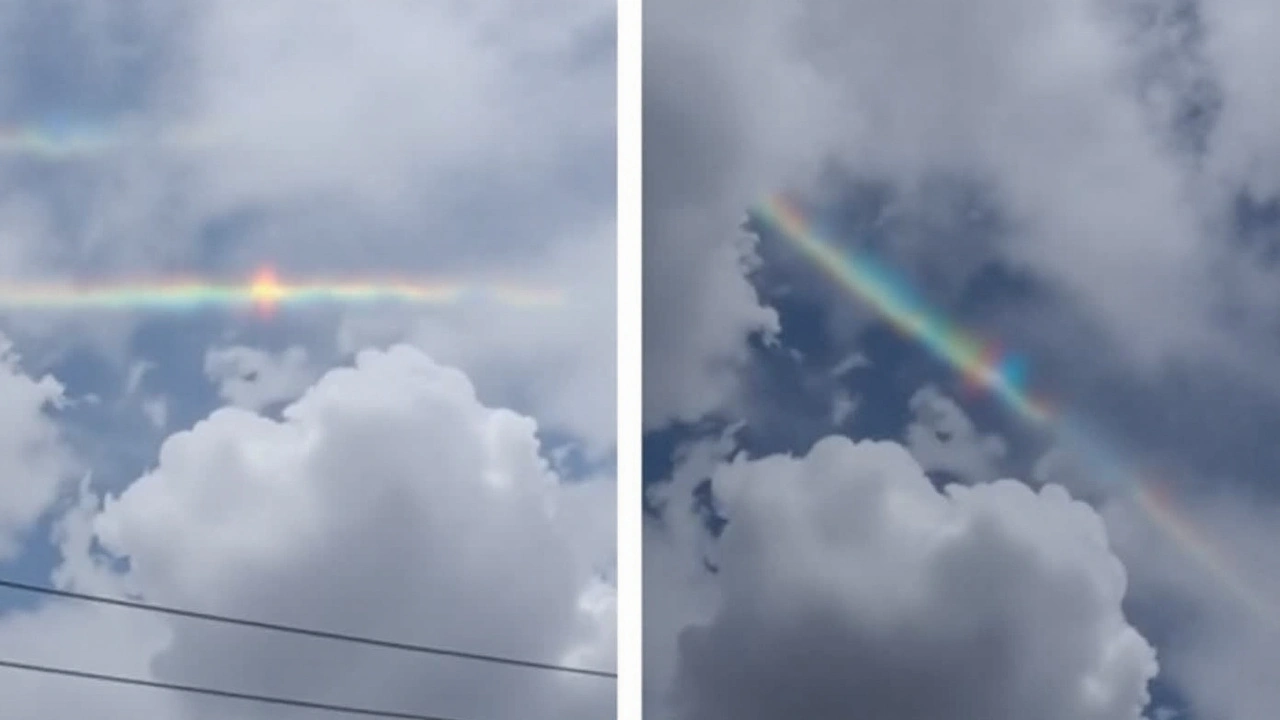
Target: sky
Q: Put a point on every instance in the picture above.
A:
(835, 525)
(434, 474)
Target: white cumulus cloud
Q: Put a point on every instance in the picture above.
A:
(35, 459)
(388, 502)
(847, 584)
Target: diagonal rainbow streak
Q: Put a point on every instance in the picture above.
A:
(984, 366)
(980, 364)
(265, 293)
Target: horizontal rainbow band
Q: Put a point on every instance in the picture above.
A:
(48, 142)
(265, 292)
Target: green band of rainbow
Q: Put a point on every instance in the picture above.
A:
(46, 142)
(984, 366)
(981, 364)
(264, 293)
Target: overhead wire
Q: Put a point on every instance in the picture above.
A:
(308, 632)
(216, 692)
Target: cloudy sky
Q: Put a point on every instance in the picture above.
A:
(834, 527)
(436, 475)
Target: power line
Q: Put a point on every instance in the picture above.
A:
(322, 634)
(214, 692)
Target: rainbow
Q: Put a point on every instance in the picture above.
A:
(981, 364)
(265, 292)
(43, 143)
(984, 366)
(58, 142)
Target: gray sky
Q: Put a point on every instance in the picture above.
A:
(1094, 184)
(394, 472)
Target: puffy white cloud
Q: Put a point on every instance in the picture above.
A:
(677, 588)
(157, 412)
(1200, 573)
(943, 438)
(387, 501)
(848, 584)
(1201, 568)
(852, 361)
(1068, 467)
(703, 170)
(843, 407)
(253, 379)
(36, 461)
(559, 362)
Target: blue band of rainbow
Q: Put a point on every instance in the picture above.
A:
(984, 366)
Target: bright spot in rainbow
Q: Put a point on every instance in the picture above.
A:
(266, 291)
(982, 366)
